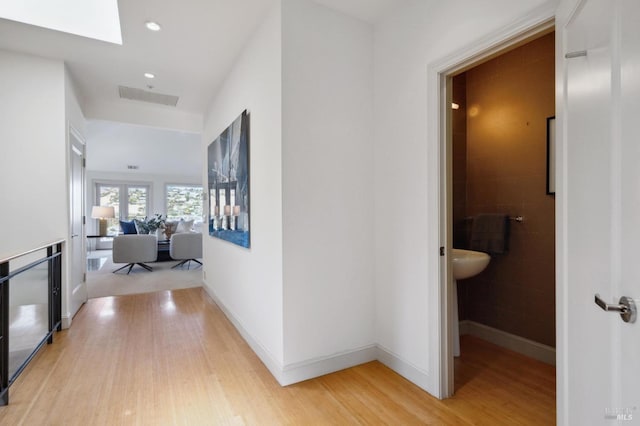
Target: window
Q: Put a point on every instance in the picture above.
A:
(138, 204)
(129, 201)
(184, 202)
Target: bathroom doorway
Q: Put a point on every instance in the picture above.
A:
(497, 112)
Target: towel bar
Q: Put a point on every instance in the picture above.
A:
(514, 218)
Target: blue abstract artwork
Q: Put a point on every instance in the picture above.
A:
(228, 176)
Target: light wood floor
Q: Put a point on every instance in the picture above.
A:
(172, 358)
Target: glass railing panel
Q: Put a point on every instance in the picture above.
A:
(28, 309)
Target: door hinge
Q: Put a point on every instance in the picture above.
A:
(441, 251)
(84, 277)
(84, 162)
(84, 220)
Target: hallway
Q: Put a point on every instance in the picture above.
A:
(172, 357)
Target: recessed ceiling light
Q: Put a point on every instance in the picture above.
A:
(149, 75)
(153, 26)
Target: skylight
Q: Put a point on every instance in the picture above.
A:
(97, 19)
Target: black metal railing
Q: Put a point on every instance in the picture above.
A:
(30, 297)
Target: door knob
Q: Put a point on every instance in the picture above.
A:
(626, 307)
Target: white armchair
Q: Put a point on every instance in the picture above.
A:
(135, 249)
(186, 246)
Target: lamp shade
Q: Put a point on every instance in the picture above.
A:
(236, 210)
(103, 212)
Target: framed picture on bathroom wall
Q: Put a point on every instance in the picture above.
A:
(551, 155)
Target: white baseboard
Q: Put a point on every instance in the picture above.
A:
(294, 373)
(66, 322)
(265, 356)
(407, 370)
(463, 327)
(535, 350)
(306, 370)
(298, 372)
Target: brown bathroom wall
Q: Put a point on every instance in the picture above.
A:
(459, 151)
(508, 100)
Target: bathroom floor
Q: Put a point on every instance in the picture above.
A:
(518, 389)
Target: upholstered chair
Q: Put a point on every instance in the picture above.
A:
(185, 247)
(135, 249)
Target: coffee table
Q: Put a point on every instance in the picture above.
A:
(163, 251)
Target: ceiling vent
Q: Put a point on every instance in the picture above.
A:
(132, 167)
(146, 96)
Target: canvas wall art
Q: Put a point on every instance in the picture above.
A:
(228, 175)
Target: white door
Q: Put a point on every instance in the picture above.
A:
(78, 287)
(599, 212)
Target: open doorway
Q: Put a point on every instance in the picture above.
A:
(144, 174)
(501, 206)
(495, 108)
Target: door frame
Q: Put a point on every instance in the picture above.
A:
(74, 135)
(440, 177)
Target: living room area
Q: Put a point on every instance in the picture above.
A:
(148, 181)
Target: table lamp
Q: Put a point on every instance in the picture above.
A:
(102, 213)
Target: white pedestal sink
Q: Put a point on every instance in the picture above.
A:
(465, 264)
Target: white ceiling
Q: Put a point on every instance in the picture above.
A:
(366, 10)
(199, 41)
(190, 57)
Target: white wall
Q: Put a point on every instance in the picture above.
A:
(36, 101)
(339, 253)
(73, 104)
(405, 44)
(33, 160)
(112, 147)
(327, 163)
(247, 283)
(303, 294)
